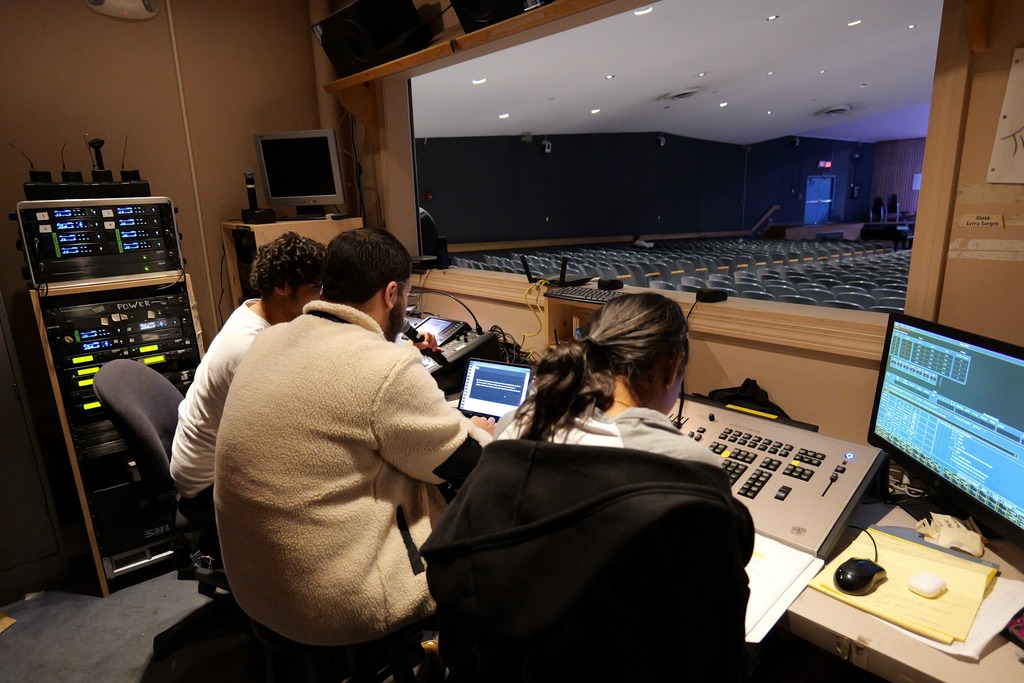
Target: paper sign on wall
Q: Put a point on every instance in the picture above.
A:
(1007, 164)
(979, 220)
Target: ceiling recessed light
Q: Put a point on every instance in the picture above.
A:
(610, 76)
(863, 85)
(502, 116)
(853, 23)
(723, 104)
(912, 26)
(822, 71)
(702, 74)
(478, 81)
(772, 17)
(645, 10)
(771, 73)
(594, 111)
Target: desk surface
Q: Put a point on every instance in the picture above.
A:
(882, 649)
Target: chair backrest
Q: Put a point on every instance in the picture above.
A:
(839, 289)
(838, 303)
(819, 295)
(797, 299)
(623, 540)
(755, 294)
(781, 290)
(692, 280)
(638, 273)
(748, 286)
(865, 300)
(893, 301)
(143, 405)
(661, 284)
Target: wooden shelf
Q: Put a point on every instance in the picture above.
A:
(358, 93)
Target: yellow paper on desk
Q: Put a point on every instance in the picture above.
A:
(945, 618)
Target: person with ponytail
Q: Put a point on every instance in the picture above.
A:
(615, 386)
(591, 522)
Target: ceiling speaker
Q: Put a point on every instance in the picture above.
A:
(125, 9)
(476, 14)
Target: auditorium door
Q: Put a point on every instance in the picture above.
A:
(818, 208)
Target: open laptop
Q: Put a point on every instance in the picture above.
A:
(493, 388)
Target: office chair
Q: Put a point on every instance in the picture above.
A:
(394, 656)
(143, 405)
(579, 563)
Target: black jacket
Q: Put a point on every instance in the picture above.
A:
(564, 562)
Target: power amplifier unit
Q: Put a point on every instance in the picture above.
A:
(93, 241)
(149, 324)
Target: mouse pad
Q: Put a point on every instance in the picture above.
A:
(946, 618)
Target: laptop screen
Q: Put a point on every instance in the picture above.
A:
(493, 388)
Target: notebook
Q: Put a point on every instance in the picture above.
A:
(493, 388)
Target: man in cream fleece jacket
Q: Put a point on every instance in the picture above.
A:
(331, 445)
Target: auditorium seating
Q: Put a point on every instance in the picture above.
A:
(857, 275)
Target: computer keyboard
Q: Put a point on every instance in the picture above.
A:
(584, 294)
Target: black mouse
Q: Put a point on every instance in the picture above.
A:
(857, 576)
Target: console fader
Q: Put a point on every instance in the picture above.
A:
(800, 487)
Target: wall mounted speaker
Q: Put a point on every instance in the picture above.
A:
(476, 14)
(364, 33)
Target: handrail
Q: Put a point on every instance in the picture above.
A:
(756, 230)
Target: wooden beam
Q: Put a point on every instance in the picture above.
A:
(361, 101)
(981, 24)
(941, 169)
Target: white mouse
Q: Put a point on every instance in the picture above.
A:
(927, 584)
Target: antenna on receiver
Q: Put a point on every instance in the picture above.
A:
(131, 174)
(34, 176)
(66, 175)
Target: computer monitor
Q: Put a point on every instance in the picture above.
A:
(301, 168)
(949, 406)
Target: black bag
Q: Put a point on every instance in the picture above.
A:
(748, 395)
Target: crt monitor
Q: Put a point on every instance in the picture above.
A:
(301, 169)
(949, 406)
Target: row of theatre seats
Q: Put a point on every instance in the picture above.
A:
(836, 273)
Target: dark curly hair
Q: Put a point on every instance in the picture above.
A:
(288, 260)
(635, 336)
(360, 263)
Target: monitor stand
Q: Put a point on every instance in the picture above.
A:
(923, 507)
(307, 213)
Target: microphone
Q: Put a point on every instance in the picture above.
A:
(96, 144)
(416, 338)
(250, 187)
(254, 214)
